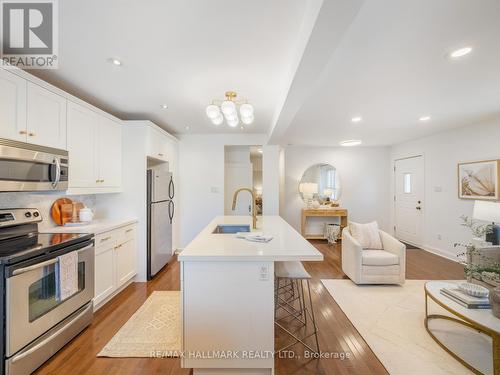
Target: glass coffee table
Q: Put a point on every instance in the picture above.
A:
(471, 336)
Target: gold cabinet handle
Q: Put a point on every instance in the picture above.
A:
(119, 246)
(31, 134)
(22, 132)
(101, 181)
(160, 154)
(128, 230)
(105, 239)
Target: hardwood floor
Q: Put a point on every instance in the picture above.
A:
(336, 333)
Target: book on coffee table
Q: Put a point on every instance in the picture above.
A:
(466, 300)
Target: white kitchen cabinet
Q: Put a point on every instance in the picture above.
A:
(116, 256)
(125, 258)
(82, 146)
(95, 151)
(12, 106)
(110, 153)
(157, 144)
(45, 117)
(105, 280)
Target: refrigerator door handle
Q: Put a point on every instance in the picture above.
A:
(171, 188)
(171, 209)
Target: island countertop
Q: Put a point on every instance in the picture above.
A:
(287, 244)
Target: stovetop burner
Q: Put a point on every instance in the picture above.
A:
(20, 240)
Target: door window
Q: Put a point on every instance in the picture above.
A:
(407, 183)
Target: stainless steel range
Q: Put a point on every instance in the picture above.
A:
(38, 321)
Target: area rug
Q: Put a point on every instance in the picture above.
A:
(390, 318)
(153, 331)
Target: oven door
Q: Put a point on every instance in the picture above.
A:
(32, 305)
(25, 167)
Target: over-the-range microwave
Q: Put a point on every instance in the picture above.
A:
(28, 167)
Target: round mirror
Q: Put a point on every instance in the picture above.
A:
(320, 182)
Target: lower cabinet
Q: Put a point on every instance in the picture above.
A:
(115, 261)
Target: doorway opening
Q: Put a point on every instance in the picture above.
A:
(242, 169)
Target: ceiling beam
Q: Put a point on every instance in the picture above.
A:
(322, 31)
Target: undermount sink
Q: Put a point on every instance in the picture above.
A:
(231, 228)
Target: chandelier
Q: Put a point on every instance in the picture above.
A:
(228, 109)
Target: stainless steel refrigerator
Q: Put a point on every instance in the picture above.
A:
(160, 211)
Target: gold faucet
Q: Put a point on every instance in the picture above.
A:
(254, 212)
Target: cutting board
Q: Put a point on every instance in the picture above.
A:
(62, 210)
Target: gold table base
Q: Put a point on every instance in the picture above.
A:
(467, 323)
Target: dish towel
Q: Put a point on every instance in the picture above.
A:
(67, 275)
(254, 236)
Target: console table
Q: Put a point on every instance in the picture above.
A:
(321, 212)
(482, 321)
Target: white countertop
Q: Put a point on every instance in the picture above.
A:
(287, 244)
(95, 227)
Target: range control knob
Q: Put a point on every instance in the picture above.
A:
(27, 214)
(36, 214)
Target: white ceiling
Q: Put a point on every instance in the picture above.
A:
(308, 66)
(180, 53)
(391, 68)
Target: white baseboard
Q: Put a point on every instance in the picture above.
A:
(442, 253)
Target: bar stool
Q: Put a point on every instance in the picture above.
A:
(290, 297)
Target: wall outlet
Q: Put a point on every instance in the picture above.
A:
(439, 237)
(264, 273)
(215, 190)
(438, 189)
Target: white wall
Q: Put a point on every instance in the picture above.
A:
(442, 152)
(271, 180)
(201, 170)
(364, 177)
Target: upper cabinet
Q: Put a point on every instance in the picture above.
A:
(46, 117)
(82, 146)
(110, 153)
(12, 106)
(35, 112)
(95, 151)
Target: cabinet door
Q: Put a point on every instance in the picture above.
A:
(110, 153)
(125, 258)
(12, 106)
(46, 117)
(104, 273)
(156, 144)
(82, 127)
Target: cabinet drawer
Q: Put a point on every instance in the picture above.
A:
(125, 234)
(105, 240)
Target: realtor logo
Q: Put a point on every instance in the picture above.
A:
(29, 33)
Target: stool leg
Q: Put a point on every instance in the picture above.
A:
(313, 316)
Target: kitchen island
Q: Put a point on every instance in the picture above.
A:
(228, 295)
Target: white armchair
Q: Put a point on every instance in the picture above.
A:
(366, 266)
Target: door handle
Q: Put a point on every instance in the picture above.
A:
(58, 172)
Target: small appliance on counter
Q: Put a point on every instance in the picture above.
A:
(160, 213)
(48, 287)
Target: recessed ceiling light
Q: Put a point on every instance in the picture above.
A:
(357, 119)
(187, 127)
(460, 52)
(424, 118)
(115, 61)
(351, 142)
(260, 151)
(163, 106)
(242, 128)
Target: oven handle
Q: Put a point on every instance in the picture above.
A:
(43, 264)
(42, 343)
(58, 172)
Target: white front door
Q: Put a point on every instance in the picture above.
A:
(408, 199)
(238, 175)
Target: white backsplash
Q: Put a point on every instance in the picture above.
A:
(42, 201)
